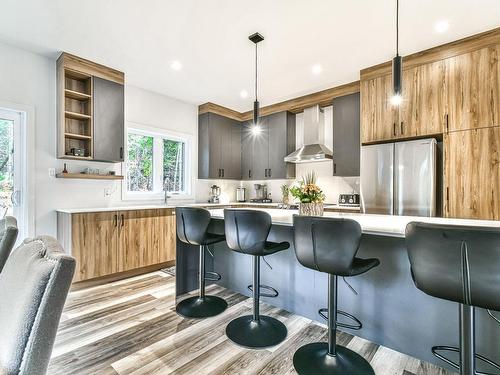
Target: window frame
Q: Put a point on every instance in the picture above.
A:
(158, 135)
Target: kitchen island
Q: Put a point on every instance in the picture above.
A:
(393, 311)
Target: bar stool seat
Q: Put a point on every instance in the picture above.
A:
(246, 233)
(212, 238)
(458, 264)
(192, 228)
(274, 247)
(360, 266)
(329, 245)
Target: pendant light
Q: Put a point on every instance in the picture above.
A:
(256, 38)
(397, 67)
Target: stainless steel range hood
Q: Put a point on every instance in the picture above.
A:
(314, 148)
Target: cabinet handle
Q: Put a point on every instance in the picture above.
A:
(115, 220)
(219, 172)
(222, 172)
(121, 153)
(123, 219)
(334, 168)
(394, 128)
(266, 172)
(249, 173)
(448, 200)
(447, 122)
(402, 127)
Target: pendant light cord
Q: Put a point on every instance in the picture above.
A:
(255, 71)
(397, 27)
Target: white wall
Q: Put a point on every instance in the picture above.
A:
(29, 80)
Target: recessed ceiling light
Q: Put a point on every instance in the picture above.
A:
(316, 69)
(442, 26)
(244, 94)
(176, 65)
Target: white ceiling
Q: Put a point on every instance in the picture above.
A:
(209, 38)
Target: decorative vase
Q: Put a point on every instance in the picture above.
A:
(286, 200)
(311, 209)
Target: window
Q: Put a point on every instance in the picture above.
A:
(157, 161)
(173, 165)
(140, 163)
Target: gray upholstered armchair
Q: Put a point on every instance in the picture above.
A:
(33, 288)
(8, 237)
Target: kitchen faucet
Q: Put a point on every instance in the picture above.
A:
(166, 197)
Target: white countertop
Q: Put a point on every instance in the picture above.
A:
(385, 225)
(160, 206)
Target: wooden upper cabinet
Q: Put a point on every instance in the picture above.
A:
(472, 174)
(378, 115)
(94, 244)
(422, 112)
(474, 89)
(424, 107)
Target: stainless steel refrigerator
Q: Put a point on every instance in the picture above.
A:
(399, 178)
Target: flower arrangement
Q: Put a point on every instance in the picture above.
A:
(310, 196)
(306, 191)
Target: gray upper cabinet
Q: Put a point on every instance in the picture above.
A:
(108, 117)
(346, 141)
(263, 153)
(281, 128)
(247, 150)
(219, 147)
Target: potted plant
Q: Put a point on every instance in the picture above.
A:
(309, 195)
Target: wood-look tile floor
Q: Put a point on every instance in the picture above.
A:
(130, 327)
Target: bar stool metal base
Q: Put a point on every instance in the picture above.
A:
(256, 334)
(314, 359)
(201, 307)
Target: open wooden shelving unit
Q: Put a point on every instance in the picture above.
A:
(77, 113)
(77, 124)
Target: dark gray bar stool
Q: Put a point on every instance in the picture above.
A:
(459, 264)
(246, 232)
(192, 228)
(330, 245)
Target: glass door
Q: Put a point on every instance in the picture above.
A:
(12, 169)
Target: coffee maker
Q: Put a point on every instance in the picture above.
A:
(260, 194)
(214, 194)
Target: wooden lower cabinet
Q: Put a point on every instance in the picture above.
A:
(146, 237)
(94, 244)
(472, 174)
(105, 243)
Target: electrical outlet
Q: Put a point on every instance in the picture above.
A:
(108, 192)
(52, 172)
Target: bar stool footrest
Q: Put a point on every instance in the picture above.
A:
(357, 326)
(212, 276)
(273, 292)
(440, 348)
